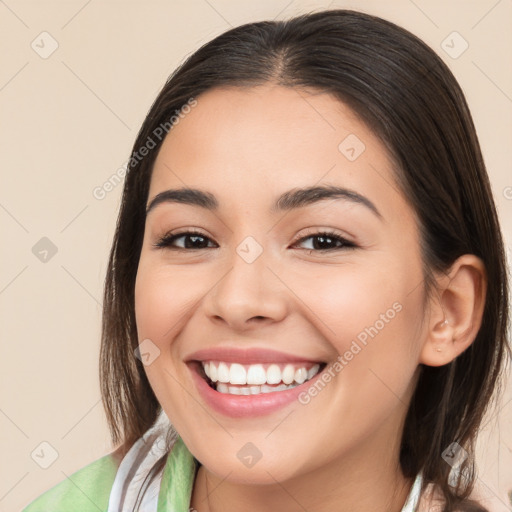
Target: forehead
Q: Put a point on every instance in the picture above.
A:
(257, 141)
(269, 119)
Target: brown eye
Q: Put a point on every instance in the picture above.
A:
(326, 241)
(191, 240)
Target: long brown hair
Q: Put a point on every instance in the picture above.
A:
(410, 99)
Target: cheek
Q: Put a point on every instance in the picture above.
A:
(371, 321)
(371, 316)
(163, 299)
(346, 301)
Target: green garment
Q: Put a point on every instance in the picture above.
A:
(88, 490)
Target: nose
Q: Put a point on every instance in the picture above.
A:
(248, 295)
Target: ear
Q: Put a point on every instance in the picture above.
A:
(455, 311)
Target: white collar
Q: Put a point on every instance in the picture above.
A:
(135, 466)
(411, 504)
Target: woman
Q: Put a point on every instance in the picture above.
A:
(307, 279)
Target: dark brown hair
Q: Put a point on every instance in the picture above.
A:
(409, 98)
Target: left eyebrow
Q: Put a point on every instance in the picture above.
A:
(291, 199)
(298, 198)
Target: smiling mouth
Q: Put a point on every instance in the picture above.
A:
(255, 379)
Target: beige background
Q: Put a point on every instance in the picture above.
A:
(68, 123)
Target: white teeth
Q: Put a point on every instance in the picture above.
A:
(223, 373)
(238, 379)
(273, 374)
(313, 371)
(213, 372)
(237, 374)
(234, 390)
(251, 390)
(256, 374)
(288, 374)
(222, 388)
(301, 374)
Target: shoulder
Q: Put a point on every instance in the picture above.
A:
(88, 489)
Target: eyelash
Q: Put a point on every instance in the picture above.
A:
(166, 241)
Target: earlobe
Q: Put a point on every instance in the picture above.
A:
(456, 311)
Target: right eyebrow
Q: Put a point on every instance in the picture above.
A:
(187, 196)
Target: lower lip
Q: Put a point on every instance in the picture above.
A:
(238, 406)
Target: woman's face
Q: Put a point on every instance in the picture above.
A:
(258, 291)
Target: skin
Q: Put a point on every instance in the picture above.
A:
(339, 451)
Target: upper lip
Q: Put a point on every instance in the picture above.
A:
(247, 356)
